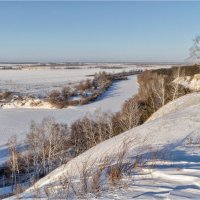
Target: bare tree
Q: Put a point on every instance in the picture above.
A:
(91, 130)
(66, 92)
(47, 145)
(195, 51)
(129, 117)
(14, 159)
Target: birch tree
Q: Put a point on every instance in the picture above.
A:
(14, 159)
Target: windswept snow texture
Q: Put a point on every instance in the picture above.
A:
(17, 121)
(177, 176)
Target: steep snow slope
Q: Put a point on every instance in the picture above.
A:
(173, 106)
(177, 176)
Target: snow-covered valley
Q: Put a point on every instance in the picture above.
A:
(17, 120)
(99, 100)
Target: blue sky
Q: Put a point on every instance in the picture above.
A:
(97, 31)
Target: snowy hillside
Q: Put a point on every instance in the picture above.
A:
(173, 132)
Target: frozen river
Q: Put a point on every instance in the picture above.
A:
(17, 121)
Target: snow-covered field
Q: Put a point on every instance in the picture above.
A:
(41, 81)
(174, 129)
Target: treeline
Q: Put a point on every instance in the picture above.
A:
(156, 89)
(190, 70)
(83, 93)
(86, 91)
(50, 144)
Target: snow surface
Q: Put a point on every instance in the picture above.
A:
(175, 177)
(183, 102)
